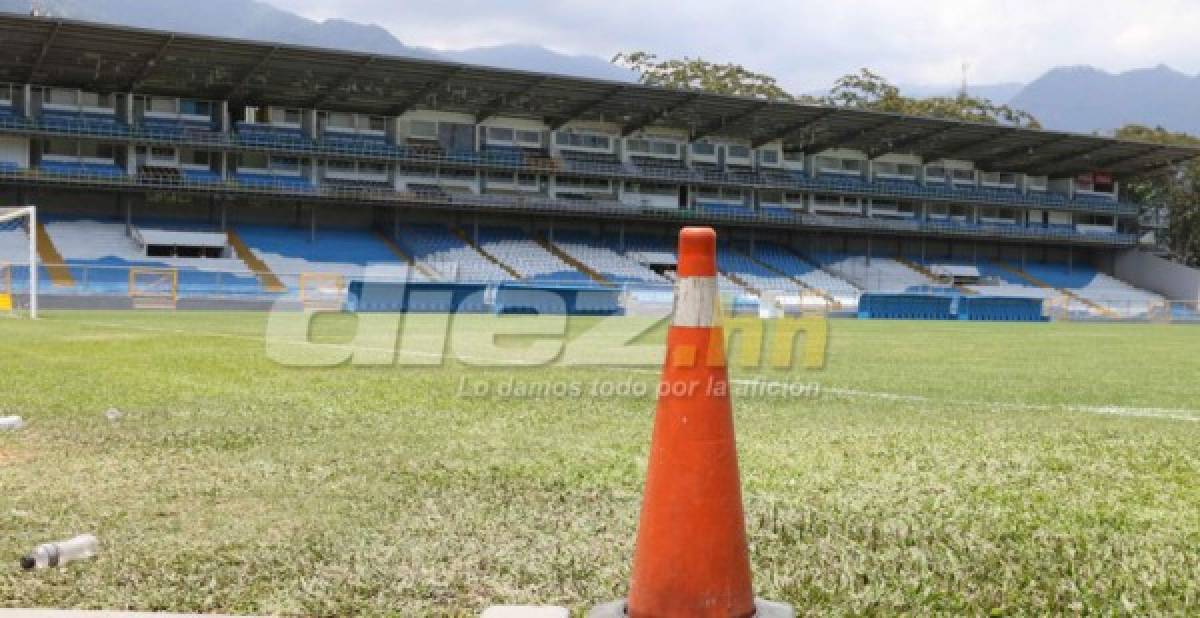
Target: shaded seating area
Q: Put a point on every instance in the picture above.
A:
(81, 169)
(171, 128)
(254, 134)
(80, 122)
(271, 181)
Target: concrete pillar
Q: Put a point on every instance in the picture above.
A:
(310, 122)
(127, 207)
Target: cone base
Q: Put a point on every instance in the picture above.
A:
(762, 609)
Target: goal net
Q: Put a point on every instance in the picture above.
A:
(154, 288)
(18, 261)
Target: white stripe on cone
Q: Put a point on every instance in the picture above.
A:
(695, 302)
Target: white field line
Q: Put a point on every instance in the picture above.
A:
(1186, 415)
(1191, 416)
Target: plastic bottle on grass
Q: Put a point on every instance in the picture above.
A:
(11, 423)
(49, 555)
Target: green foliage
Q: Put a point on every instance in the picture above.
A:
(1178, 189)
(864, 90)
(699, 74)
(868, 90)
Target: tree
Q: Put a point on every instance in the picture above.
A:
(699, 74)
(1176, 188)
(870, 91)
(862, 90)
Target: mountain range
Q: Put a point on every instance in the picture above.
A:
(1087, 99)
(1080, 98)
(252, 19)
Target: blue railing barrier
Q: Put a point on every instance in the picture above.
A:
(520, 298)
(1000, 309)
(905, 307)
(950, 307)
(504, 298)
(416, 297)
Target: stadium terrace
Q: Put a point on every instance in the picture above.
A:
(182, 167)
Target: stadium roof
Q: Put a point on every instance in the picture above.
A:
(110, 58)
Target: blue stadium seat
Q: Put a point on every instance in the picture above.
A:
(163, 128)
(283, 183)
(724, 209)
(780, 212)
(87, 170)
(359, 144)
(90, 123)
(254, 134)
(503, 155)
(207, 177)
(341, 246)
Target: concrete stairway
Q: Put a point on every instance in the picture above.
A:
(266, 278)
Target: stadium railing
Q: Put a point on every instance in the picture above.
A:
(106, 280)
(280, 187)
(374, 151)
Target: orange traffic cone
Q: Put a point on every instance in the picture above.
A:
(691, 559)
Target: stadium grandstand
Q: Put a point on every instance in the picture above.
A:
(249, 170)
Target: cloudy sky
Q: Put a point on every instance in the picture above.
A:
(807, 44)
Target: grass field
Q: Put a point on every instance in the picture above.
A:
(944, 468)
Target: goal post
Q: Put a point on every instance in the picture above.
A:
(322, 290)
(156, 288)
(13, 220)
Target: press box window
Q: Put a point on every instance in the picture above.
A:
(158, 153)
(61, 96)
(60, 148)
(499, 134)
(96, 151)
(423, 129)
(195, 108)
(161, 105)
(198, 158)
(92, 99)
(738, 152)
(254, 160)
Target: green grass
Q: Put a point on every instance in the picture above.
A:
(945, 468)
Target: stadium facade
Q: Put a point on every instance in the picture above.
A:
(241, 166)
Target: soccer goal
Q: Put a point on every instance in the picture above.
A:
(18, 261)
(154, 288)
(322, 290)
